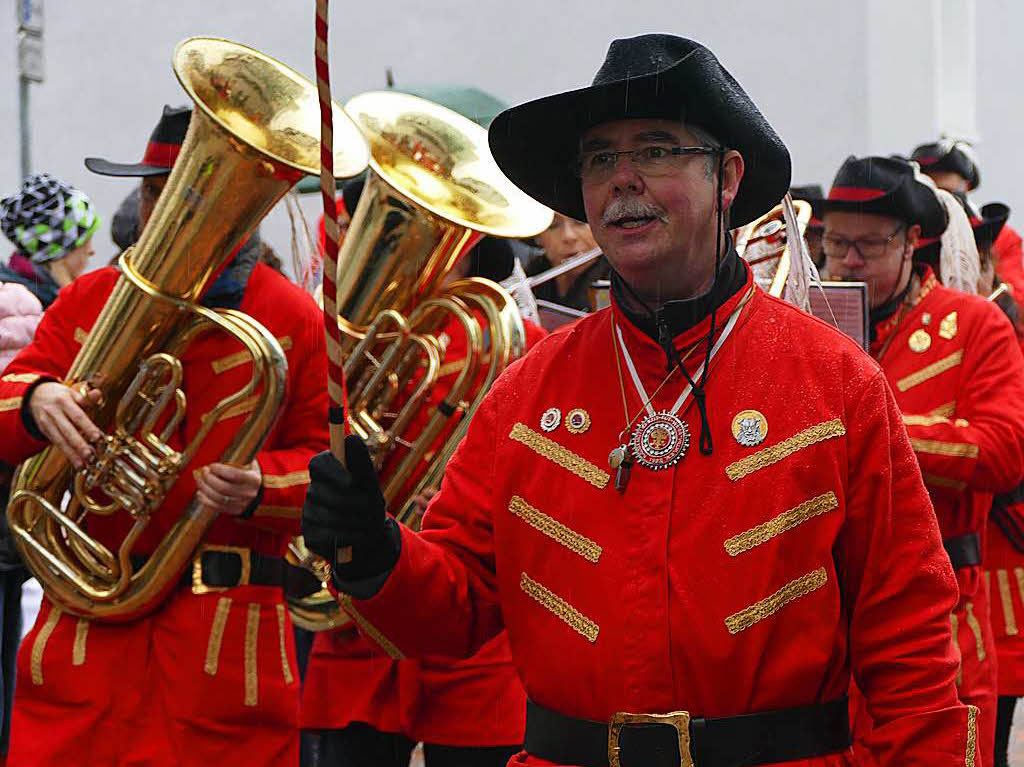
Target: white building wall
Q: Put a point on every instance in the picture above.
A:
(834, 78)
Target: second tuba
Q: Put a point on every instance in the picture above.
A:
(254, 132)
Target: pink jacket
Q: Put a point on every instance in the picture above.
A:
(20, 312)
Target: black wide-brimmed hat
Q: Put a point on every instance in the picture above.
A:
(949, 155)
(813, 194)
(886, 186)
(655, 77)
(986, 223)
(161, 151)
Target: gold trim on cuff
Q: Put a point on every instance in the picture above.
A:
(39, 645)
(972, 735)
(770, 605)
(554, 529)
(572, 617)
(368, 628)
(282, 623)
(252, 636)
(279, 481)
(11, 403)
(220, 622)
(78, 649)
(1005, 596)
(777, 452)
(930, 371)
(950, 449)
(278, 512)
(21, 378)
(784, 522)
(559, 455)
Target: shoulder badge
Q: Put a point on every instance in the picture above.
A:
(920, 341)
(948, 326)
(749, 427)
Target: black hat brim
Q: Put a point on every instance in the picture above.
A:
(994, 216)
(139, 170)
(911, 201)
(536, 143)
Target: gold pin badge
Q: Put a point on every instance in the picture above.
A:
(948, 326)
(577, 420)
(749, 427)
(920, 340)
(926, 319)
(551, 419)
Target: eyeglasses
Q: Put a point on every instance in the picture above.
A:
(869, 249)
(650, 160)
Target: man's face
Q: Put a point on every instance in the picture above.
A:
(151, 188)
(884, 245)
(948, 180)
(657, 229)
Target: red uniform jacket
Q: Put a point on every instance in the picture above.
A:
(186, 684)
(753, 579)
(478, 701)
(215, 366)
(1010, 260)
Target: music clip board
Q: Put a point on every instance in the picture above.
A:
(844, 305)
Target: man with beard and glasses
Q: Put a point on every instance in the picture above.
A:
(696, 512)
(956, 370)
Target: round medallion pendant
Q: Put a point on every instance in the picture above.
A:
(660, 441)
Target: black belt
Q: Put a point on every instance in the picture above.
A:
(222, 567)
(679, 740)
(964, 550)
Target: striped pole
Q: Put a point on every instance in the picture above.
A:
(329, 191)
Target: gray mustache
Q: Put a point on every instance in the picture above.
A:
(631, 207)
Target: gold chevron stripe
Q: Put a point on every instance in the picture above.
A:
(11, 403)
(557, 454)
(771, 455)
(975, 626)
(946, 410)
(1009, 617)
(286, 669)
(936, 481)
(952, 449)
(220, 621)
(770, 605)
(240, 358)
(279, 481)
(240, 408)
(787, 520)
(554, 529)
(78, 649)
(924, 420)
(39, 646)
(572, 617)
(929, 372)
(252, 636)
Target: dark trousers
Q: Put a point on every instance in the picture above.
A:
(360, 745)
(1004, 721)
(10, 615)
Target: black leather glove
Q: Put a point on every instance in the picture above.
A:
(344, 507)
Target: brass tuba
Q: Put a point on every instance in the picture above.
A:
(763, 245)
(433, 190)
(254, 132)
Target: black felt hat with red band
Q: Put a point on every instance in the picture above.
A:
(886, 186)
(950, 156)
(813, 194)
(986, 223)
(161, 151)
(656, 76)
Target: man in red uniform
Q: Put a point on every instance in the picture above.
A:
(956, 370)
(210, 676)
(952, 166)
(668, 600)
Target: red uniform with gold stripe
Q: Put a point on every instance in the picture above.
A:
(478, 701)
(1010, 260)
(205, 678)
(1004, 581)
(749, 580)
(958, 376)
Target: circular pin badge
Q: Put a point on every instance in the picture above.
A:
(551, 418)
(660, 440)
(749, 427)
(919, 340)
(577, 420)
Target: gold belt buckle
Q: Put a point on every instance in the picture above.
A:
(678, 720)
(244, 553)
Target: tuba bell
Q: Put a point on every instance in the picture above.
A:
(254, 132)
(432, 191)
(764, 246)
